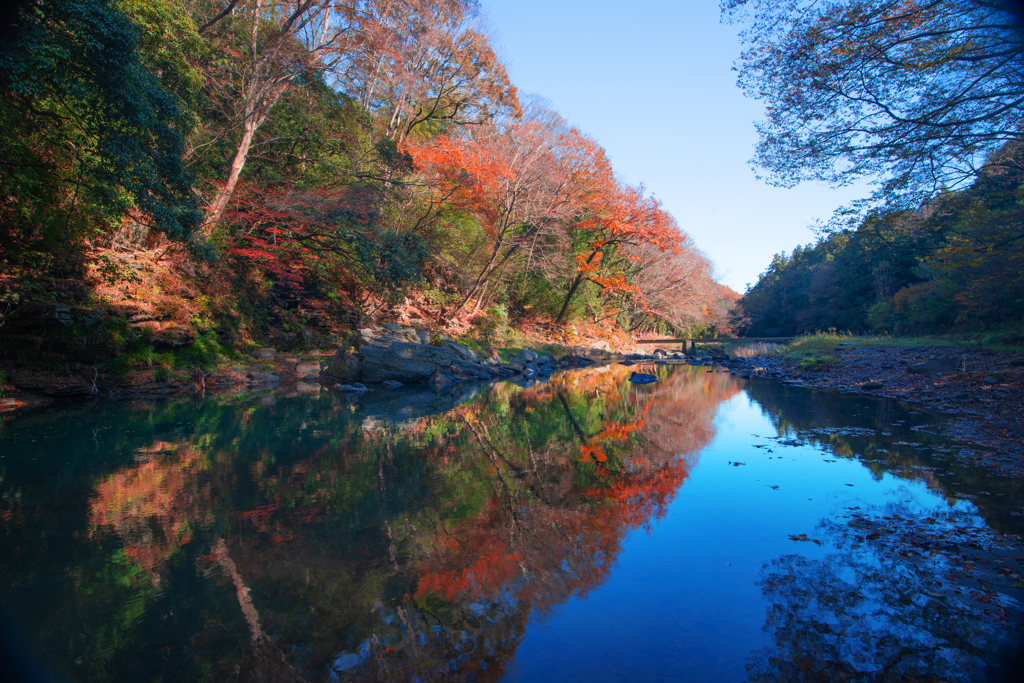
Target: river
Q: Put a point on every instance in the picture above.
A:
(699, 528)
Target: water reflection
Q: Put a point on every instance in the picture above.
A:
(291, 536)
(285, 537)
(920, 588)
(892, 607)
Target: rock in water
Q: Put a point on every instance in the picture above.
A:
(936, 365)
(642, 378)
(415, 363)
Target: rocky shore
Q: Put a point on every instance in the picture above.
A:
(982, 389)
(387, 357)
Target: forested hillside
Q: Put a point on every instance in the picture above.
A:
(228, 172)
(922, 99)
(956, 265)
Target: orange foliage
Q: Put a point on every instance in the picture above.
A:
(140, 500)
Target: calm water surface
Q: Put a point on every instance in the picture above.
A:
(701, 528)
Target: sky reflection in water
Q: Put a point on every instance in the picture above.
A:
(581, 529)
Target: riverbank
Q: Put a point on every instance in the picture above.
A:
(25, 385)
(985, 398)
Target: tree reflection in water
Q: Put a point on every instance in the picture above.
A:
(304, 538)
(900, 598)
(904, 594)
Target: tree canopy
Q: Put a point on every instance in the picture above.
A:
(915, 94)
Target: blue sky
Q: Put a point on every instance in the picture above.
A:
(652, 81)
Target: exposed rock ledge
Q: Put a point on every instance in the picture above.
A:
(410, 356)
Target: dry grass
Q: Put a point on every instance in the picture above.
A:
(755, 350)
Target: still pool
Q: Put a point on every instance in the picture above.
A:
(699, 528)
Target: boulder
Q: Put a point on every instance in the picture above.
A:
(936, 365)
(263, 378)
(871, 386)
(439, 380)
(172, 338)
(415, 363)
(343, 365)
(596, 355)
(263, 354)
(306, 368)
(463, 352)
(384, 336)
(575, 361)
(40, 314)
(86, 316)
(526, 356)
(602, 345)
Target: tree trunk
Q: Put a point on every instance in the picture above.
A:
(572, 290)
(481, 280)
(568, 297)
(223, 197)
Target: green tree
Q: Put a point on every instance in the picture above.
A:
(89, 133)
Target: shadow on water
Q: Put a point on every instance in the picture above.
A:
(409, 535)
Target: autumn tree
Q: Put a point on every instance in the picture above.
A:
(612, 219)
(512, 180)
(677, 288)
(259, 51)
(428, 63)
(915, 93)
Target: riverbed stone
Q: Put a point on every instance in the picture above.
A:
(937, 365)
(264, 354)
(343, 366)
(306, 368)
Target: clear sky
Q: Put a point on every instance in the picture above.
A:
(652, 81)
